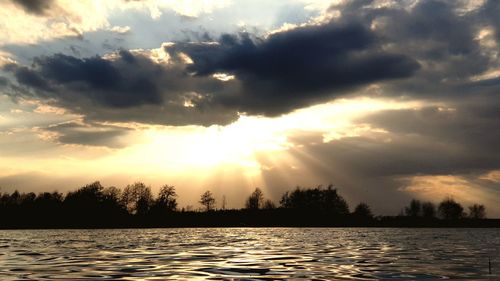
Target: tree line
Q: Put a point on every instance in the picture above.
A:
(446, 209)
(94, 205)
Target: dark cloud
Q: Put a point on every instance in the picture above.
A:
(428, 51)
(37, 7)
(436, 34)
(490, 11)
(296, 68)
(129, 87)
(394, 155)
(90, 134)
(28, 77)
(274, 75)
(465, 135)
(103, 82)
(4, 82)
(431, 140)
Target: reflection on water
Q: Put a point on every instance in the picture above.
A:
(249, 253)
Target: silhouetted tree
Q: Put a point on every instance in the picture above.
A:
(96, 206)
(167, 198)
(415, 209)
(28, 198)
(477, 211)
(85, 203)
(255, 200)
(316, 199)
(137, 198)
(428, 210)
(48, 207)
(450, 210)
(93, 204)
(269, 205)
(89, 195)
(15, 198)
(49, 199)
(27, 208)
(362, 210)
(112, 194)
(207, 200)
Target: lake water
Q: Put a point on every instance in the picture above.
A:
(250, 253)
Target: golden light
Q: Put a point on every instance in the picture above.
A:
(195, 147)
(238, 153)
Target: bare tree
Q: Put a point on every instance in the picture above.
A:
(207, 200)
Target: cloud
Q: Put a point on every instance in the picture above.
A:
(490, 11)
(89, 134)
(443, 36)
(431, 140)
(466, 189)
(298, 67)
(35, 21)
(105, 82)
(37, 7)
(393, 156)
(139, 86)
(181, 82)
(121, 29)
(186, 8)
(396, 150)
(429, 50)
(24, 182)
(467, 130)
(27, 77)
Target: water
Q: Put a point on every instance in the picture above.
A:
(250, 253)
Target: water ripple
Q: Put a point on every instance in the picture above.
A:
(249, 254)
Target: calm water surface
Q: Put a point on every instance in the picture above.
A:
(250, 253)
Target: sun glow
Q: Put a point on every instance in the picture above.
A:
(196, 147)
(253, 151)
(199, 147)
(242, 150)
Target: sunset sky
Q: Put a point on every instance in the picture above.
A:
(386, 100)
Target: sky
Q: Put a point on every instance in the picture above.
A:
(386, 100)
